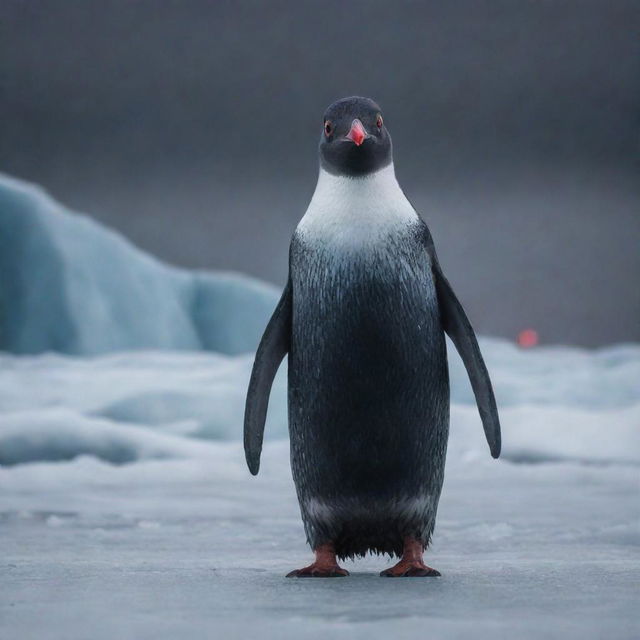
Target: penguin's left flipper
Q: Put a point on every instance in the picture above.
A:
(273, 347)
(458, 328)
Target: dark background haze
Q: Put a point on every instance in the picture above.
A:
(192, 127)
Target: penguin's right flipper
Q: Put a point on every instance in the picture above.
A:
(459, 329)
(273, 347)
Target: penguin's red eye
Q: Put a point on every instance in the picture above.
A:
(328, 128)
(379, 122)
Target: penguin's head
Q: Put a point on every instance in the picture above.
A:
(354, 141)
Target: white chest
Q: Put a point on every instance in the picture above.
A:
(356, 212)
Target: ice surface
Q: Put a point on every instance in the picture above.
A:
(198, 548)
(127, 511)
(68, 284)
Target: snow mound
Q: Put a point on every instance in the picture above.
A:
(61, 434)
(535, 435)
(195, 394)
(603, 378)
(130, 406)
(531, 435)
(68, 284)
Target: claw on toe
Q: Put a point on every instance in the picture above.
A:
(314, 571)
(410, 570)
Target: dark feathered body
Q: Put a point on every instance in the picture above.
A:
(368, 383)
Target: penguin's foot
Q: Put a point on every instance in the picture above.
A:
(318, 571)
(409, 570)
(325, 565)
(411, 564)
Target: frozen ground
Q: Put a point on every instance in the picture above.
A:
(126, 510)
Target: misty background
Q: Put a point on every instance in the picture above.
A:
(192, 128)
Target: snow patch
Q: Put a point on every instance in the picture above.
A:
(57, 434)
(604, 378)
(533, 435)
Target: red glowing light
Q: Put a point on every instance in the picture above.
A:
(528, 338)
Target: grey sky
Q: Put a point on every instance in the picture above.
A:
(192, 127)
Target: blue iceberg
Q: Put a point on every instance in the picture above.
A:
(68, 284)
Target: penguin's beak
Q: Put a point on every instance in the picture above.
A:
(357, 134)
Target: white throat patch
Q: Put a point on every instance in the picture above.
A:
(356, 209)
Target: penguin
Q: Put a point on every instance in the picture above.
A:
(362, 319)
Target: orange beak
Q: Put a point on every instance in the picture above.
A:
(357, 134)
